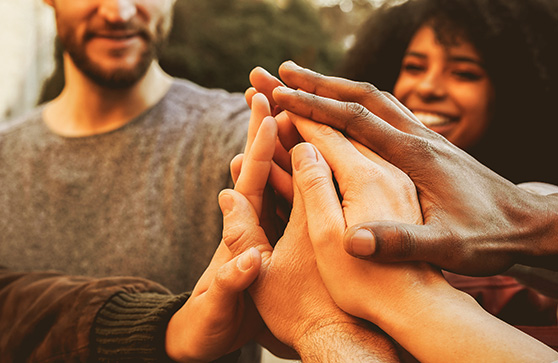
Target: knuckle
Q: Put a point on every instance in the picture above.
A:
(408, 244)
(358, 116)
(325, 131)
(419, 146)
(221, 278)
(329, 232)
(313, 182)
(367, 90)
(356, 110)
(237, 237)
(395, 243)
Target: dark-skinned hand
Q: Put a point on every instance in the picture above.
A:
(475, 221)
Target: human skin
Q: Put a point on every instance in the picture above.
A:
(289, 293)
(410, 301)
(219, 317)
(453, 327)
(111, 75)
(475, 222)
(110, 39)
(446, 87)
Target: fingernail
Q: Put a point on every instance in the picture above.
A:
(304, 154)
(226, 202)
(290, 64)
(246, 260)
(363, 243)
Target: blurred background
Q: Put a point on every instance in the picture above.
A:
(213, 43)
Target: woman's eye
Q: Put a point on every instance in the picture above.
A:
(467, 76)
(413, 68)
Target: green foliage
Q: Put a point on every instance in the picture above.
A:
(216, 43)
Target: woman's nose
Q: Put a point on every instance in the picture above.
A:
(432, 86)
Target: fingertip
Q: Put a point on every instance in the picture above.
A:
(226, 202)
(236, 167)
(254, 73)
(259, 97)
(248, 94)
(303, 155)
(360, 242)
(249, 259)
(236, 162)
(250, 91)
(269, 121)
(259, 69)
(288, 65)
(236, 275)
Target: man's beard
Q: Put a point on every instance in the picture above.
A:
(118, 78)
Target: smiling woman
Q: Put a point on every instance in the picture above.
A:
(446, 86)
(483, 74)
(480, 72)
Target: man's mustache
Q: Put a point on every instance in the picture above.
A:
(130, 28)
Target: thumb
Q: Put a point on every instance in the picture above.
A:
(235, 276)
(214, 317)
(393, 241)
(313, 179)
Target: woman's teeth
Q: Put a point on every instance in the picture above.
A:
(432, 119)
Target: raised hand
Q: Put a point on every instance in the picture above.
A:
(289, 292)
(410, 301)
(219, 317)
(475, 222)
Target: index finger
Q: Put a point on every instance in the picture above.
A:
(264, 82)
(350, 91)
(350, 118)
(260, 109)
(256, 164)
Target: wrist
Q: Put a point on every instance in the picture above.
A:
(413, 286)
(345, 341)
(542, 238)
(398, 317)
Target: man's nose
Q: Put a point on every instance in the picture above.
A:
(117, 11)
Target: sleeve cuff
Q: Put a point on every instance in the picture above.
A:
(131, 327)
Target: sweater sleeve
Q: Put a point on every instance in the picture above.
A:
(130, 327)
(47, 316)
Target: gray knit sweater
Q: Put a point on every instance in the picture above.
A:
(138, 201)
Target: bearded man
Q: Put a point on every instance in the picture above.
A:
(117, 176)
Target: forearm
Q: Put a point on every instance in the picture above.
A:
(347, 342)
(446, 325)
(540, 279)
(541, 227)
(45, 315)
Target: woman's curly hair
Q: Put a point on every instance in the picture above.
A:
(518, 42)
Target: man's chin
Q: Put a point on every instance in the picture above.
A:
(117, 78)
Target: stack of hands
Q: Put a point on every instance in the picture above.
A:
(309, 199)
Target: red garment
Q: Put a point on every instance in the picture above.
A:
(514, 303)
